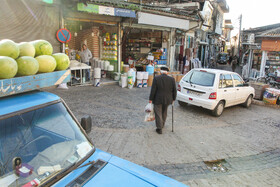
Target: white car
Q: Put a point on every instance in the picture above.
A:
(214, 90)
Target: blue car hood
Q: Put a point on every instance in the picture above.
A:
(119, 172)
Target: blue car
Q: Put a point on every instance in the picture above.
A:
(43, 144)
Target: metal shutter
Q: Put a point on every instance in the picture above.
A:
(29, 20)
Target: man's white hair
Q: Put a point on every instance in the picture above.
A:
(163, 71)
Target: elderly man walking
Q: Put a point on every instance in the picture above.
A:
(163, 94)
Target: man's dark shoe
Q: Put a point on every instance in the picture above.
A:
(159, 131)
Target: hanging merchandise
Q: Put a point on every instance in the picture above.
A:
(107, 37)
(110, 48)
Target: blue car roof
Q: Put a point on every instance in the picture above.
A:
(23, 101)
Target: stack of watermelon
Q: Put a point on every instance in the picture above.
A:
(29, 58)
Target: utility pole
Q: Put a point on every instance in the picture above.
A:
(240, 23)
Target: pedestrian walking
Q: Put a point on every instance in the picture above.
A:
(234, 63)
(86, 55)
(163, 94)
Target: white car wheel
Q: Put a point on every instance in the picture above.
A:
(248, 102)
(219, 109)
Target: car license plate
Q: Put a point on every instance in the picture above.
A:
(193, 93)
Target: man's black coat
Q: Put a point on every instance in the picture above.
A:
(163, 90)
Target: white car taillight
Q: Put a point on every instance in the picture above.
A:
(179, 88)
(213, 95)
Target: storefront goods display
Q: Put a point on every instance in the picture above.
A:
(140, 75)
(145, 83)
(46, 63)
(110, 68)
(110, 47)
(106, 65)
(259, 89)
(150, 80)
(272, 96)
(97, 73)
(130, 81)
(102, 64)
(8, 67)
(27, 66)
(96, 82)
(117, 76)
(145, 79)
(42, 47)
(62, 61)
(139, 83)
(150, 69)
(9, 48)
(179, 77)
(125, 68)
(124, 80)
(26, 49)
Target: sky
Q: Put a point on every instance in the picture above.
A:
(255, 13)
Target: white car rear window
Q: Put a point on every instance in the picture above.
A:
(201, 78)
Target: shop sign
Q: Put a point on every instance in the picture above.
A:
(106, 10)
(91, 8)
(125, 13)
(207, 15)
(163, 21)
(271, 45)
(219, 22)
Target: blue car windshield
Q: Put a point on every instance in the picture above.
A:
(44, 141)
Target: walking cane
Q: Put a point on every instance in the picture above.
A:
(172, 115)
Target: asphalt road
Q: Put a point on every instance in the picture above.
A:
(247, 139)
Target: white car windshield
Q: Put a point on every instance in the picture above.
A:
(43, 142)
(201, 78)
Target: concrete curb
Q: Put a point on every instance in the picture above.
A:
(261, 103)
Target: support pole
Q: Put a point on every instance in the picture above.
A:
(250, 59)
(240, 23)
(119, 47)
(263, 63)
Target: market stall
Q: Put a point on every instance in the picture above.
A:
(139, 44)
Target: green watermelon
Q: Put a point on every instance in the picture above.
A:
(27, 66)
(9, 48)
(62, 61)
(42, 47)
(46, 63)
(26, 49)
(8, 67)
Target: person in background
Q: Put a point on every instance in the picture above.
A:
(234, 63)
(85, 55)
(163, 94)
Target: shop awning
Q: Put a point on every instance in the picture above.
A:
(143, 26)
(163, 21)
